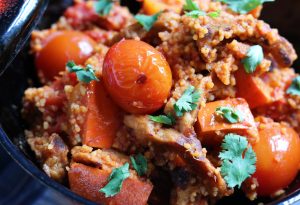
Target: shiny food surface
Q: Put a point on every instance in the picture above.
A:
(137, 76)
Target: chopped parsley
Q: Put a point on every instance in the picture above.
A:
(187, 102)
(192, 10)
(231, 115)
(103, 7)
(238, 160)
(116, 179)
(253, 58)
(85, 75)
(139, 163)
(294, 88)
(147, 21)
(243, 6)
(163, 119)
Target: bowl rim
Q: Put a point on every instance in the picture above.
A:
(16, 154)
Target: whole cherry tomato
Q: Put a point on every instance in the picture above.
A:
(137, 76)
(61, 47)
(278, 156)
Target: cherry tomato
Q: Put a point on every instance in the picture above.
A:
(151, 7)
(278, 156)
(59, 48)
(137, 76)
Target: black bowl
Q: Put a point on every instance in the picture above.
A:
(21, 74)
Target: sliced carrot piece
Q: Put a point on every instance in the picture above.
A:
(87, 181)
(211, 128)
(252, 89)
(103, 117)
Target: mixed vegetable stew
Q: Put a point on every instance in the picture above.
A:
(183, 103)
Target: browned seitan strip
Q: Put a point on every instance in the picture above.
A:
(212, 32)
(165, 22)
(189, 148)
(52, 153)
(104, 159)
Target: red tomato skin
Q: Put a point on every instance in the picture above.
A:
(59, 48)
(137, 76)
(278, 157)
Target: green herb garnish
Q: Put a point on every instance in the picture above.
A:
(294, 88)
(232, 116)
(190, 6)
(139, 163)
(85, 75)
(195, 13)
(163, 119)
(147, 21)
(238, 160)
(192, 9)
(214, 14)
(187, 102)
(116, 179)
(243, 6)
(253, 58)
(103, 7)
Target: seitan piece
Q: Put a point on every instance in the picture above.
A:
(189, 148)
(167, 21)
(218, 45)
(51, 152)
(104, 159)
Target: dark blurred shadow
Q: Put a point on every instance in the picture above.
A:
(285, 16)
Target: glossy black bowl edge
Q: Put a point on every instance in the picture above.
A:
(18, 156)
(16, 28)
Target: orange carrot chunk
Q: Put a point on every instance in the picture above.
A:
(87, 181)
(252, 89)
(103, 117)
(211, 127)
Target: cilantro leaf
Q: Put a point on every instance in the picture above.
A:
(85, 75)
(190, 6)
(147, 21)
(232, 116)
(192, 10)
(243, 6)
(163, 119)
(214, 14)
(238, 160)
(116, 178)
(187, 102)
(294, 88)
(253, 58)
(139, 163)
(195, 13)
(103, 7)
